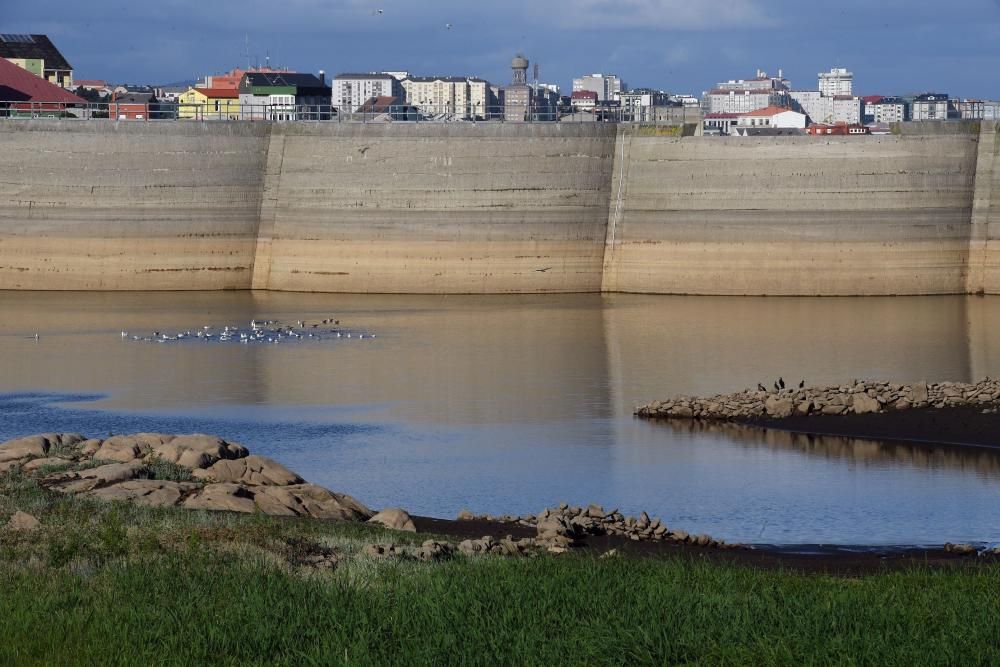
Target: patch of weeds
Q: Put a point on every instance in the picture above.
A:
(65, 451)
(63, 548)
(167, 471)
(113, 535)
(51, 469)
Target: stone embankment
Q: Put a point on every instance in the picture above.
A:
(859, 397)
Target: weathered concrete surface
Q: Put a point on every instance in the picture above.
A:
(490, 208)
(129, 205)
(984, 249)
(436, 208)
(791, 215)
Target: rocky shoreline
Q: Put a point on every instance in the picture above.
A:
(204, 472)
(858, 397)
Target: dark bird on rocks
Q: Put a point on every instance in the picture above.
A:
(776, 387)
(781, 382)
(760, 387)
(802, 384)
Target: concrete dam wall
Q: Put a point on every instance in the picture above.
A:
(491, 208)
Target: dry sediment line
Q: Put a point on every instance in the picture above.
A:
(859, 397)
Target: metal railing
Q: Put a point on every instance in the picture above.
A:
(233, 111)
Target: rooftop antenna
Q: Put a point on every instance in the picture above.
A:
(246, 47)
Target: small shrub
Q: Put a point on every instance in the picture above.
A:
(167, 471)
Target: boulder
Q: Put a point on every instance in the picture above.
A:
(779, 407)
(19, 449)
(864, 404)
(152, 492)
(251, 470)
(106, 475)
(394, 518)
(323, 504)
(833, 409)
(198, 451)
(130, 447)
(466, 515)
(918, 393)
(89, 447)
(23, 521)
(222, 497)
(35, 464)
(278, 501)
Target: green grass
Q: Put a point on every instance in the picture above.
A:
(118, 584)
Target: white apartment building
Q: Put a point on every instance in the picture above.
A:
(607, 86)
(846, 109)
(465, 97)
(743, 101)
(838, 81)
(991, 110)
(350, 91)
(887, 110)
(929, 106)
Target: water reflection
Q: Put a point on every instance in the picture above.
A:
(509, 403)
(981, 461)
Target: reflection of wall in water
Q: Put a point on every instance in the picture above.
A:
(463, 360)
(984, 462)
(659, 346)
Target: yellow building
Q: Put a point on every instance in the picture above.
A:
(209, 104)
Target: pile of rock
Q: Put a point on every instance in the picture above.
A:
(191, 471)
(858, 397)
(564, 526)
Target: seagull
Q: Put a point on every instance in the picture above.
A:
(776, 388)
(376, 12)
(124, 334)
(447, 26)
(36, 337)
(543, 270)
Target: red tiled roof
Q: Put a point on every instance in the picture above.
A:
(767, 111)
(20, 85)
(90, 83)
(871, 99)
(214, 93)
(722, 114)
(584, 95)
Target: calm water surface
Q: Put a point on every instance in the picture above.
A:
(510, 404)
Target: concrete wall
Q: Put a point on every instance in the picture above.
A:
(464, 208)
(791, 215)
(984, 249)
(436, 208)
(119, 206)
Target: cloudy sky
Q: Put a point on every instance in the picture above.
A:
(892, 46)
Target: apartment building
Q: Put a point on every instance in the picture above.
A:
(350, 91)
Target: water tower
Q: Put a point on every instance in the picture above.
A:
(519, 65)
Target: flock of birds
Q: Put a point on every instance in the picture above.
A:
(263, 331)
(779, 384)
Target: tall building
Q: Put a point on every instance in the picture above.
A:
(607, 86)
(38, 55)
(746, 95)
(465, 97)
(350, 91)
(838, 81)
(518, 96)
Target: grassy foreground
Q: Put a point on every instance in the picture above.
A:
(116, 584)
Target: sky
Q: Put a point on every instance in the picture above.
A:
(682, 46)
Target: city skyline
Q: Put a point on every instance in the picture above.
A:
(892, 49)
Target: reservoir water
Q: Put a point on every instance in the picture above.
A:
(507, 404)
